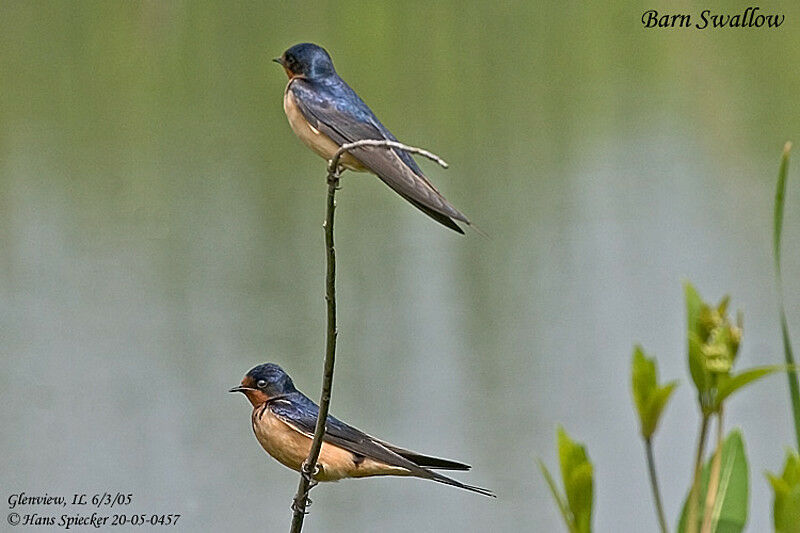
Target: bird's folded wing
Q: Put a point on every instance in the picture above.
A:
(395, 167)
(301, 415)
(304, 419)
(428, 461)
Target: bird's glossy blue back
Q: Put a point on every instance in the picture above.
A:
(303, 409)
(332, 90)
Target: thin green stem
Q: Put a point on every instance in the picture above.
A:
(792, 375)
(713, 481)
(691, 520)
(651, 466)
(794, 386)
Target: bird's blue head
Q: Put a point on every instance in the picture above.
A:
(265, 382)
(306, 60)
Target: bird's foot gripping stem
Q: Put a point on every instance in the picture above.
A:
(334, 175)
(302, 503)
(309, 475)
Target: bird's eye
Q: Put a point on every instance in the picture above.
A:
(261, 383)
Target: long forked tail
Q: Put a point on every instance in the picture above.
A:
(442, 219)
(420, 465)
(454, 483)
(426, 461)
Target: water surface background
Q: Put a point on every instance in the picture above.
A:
(160, 229)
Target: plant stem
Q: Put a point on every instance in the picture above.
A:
(309, 467)
(794, 386)
(651, 465)
(792, 375)
(691, 520)
(713, 482)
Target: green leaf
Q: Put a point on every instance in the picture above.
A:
(576, 472)
(649, 397)
(656, 406)
(780, 197)
(786, 495)
(696, 332)
(697, 368)
(730, 510)
(562, 504)
(643, 381)
(694, 305)
(722, 306)
(727, 385)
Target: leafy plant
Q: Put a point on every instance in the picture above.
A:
(729, 512)
(786, 490)
(577, 477)
(717, 501)
(780, 196)
(713, 344)
(650, 399)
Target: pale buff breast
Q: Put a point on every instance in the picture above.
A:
(323, 145)
(290, 447)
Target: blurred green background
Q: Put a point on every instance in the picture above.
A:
(161, 234)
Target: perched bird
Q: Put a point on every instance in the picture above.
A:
(284, 419)
(325, 113)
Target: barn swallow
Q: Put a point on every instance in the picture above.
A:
(284, 420)
(325, 113)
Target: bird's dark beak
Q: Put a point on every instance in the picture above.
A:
(240, 389)
(278, 60)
